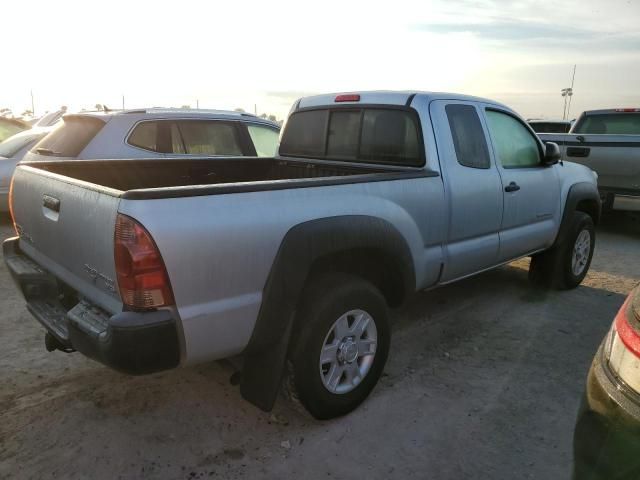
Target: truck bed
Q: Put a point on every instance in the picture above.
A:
(66, 210)
(161, 178)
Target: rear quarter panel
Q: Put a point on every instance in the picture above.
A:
(219, 249)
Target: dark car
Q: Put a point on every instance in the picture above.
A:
(607, 434)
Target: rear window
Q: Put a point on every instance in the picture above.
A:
(344, 130)
(376, 135)
(550, 127)
(610, 123)
(70, 138)
(304, 135)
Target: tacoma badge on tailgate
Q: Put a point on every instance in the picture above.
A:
(95, 274)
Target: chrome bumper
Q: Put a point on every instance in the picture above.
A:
(629, 203)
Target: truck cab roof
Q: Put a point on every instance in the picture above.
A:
(605, 111)
(385, 97)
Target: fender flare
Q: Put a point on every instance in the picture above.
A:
(266, 352)
(577, 193)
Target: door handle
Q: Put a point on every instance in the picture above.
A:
(578, 152)
(52, 203)
(51, 207)
(512, 187)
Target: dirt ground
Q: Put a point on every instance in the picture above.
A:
(483, 381)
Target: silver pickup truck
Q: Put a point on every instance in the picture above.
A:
(608, 142)
(293, 261)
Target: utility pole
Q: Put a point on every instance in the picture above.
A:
(255, 109)
(573, 78)
(122, 102)
(33, 107)
(197, 104)
(567, 93)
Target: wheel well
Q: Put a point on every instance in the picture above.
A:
(590, 207)
(374, 265)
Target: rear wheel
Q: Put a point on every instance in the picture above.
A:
(565, 265)
(340, 345)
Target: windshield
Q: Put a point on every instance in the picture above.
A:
(13, 144)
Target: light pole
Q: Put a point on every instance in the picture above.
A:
(566, 93)
(573, 79)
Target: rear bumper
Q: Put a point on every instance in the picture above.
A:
(620, 200)
(626, 202)
(130, 342)
(607, 433)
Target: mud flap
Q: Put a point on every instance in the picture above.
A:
(262, 372)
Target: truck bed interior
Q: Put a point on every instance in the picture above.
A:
(128, 175)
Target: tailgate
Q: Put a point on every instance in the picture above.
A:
(615, 158)
(67, 227)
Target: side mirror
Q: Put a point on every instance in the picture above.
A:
(551, 154)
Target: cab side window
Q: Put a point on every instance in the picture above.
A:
(515, 146)
(468, 137)
(210, 137)
(265, 140)
(157, 136)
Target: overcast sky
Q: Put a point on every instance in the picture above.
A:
(240, 53)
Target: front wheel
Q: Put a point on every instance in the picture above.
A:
(341, 343)
(565, 265)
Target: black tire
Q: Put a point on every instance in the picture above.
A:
(324, 300)
(553, 268)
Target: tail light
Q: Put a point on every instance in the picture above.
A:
(627, 110)
(142, 276)
(627, 333)
(622, 348)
